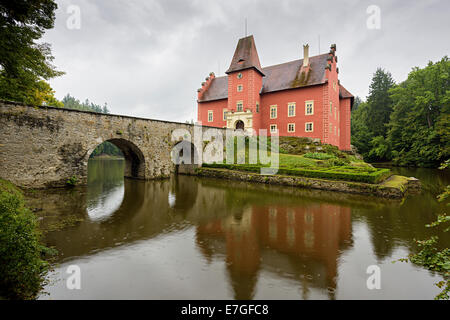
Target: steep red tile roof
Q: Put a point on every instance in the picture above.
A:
(245, 56)
(343, 93)
(278, 77)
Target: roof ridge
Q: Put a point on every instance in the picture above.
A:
(279, 64)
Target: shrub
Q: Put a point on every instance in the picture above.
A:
(333, 173)
(319, 155)
(72, 181)
(22, 270)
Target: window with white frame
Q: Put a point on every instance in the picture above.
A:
(239, 75)
(273, 128)
(309, 127)
(239, 106)
(210, 116)
(291, 109)
(240, 87)
(291, 127)
(273, 112)
(309, 107)
(225, 111)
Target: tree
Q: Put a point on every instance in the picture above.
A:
(356, 103)
(379, 102)
(360, 133)
(370, 119)
(73, 103)
(24, 63)
(419, 131)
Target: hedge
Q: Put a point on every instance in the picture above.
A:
(327, 173)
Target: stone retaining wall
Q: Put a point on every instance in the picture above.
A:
(321, 184)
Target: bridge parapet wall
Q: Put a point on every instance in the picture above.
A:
(46, 146)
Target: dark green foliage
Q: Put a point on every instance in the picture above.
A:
(333, 173)
(22, 270)
(379, 102)
(360, 134)
(25, 64)
(370, 119)
(407, 123)
(356, 103)
(419, 130)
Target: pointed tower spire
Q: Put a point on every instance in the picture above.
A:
(245, 56)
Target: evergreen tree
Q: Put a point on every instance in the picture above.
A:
(379, 102)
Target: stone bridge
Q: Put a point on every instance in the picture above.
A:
(45, 146)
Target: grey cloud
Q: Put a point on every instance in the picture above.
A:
(147, 58)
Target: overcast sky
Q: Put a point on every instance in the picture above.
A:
(147, 58)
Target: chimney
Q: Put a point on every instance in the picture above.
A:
(305, 55)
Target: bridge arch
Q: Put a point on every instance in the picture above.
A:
(134, 157)
(185, 157)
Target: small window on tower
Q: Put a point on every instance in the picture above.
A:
(210, 116)
(257, 107)
(239, 106)
(240, 87)
(239, 75)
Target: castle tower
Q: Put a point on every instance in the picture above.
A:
(244, 86)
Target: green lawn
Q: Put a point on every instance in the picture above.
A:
(325, 162)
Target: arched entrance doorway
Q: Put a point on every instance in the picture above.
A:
(239, 125)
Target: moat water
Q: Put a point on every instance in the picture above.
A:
(196, 238)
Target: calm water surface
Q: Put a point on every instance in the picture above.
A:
(192, 238)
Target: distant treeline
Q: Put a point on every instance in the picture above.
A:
(73, 103)
(106, 148)
(406, 123)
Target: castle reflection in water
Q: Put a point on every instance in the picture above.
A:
(299, 236)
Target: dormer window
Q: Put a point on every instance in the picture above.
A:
(239, 75)
(240, 61)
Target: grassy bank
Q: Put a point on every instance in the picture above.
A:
(22, 267)
(306, 158)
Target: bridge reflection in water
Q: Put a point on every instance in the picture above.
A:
(248, 236)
